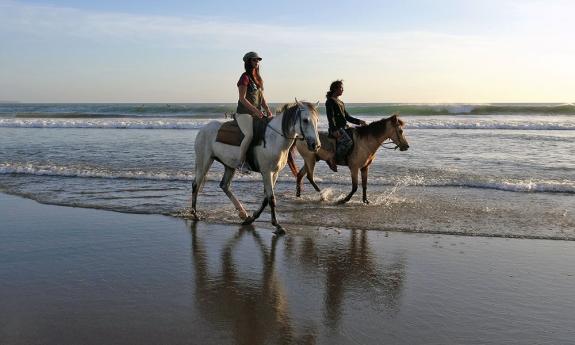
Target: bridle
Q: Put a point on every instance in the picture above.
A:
(396, 127)
(298, 114)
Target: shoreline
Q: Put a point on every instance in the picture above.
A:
(264, 223)
(74, 275)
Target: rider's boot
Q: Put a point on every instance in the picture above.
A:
(243, 168)
(332, 164)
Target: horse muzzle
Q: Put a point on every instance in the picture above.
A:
(403, 147)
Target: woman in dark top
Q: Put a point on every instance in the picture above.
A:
(250, 103)
(338, 118)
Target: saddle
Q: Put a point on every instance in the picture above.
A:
(231, 134)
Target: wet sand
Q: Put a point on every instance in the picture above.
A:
(82, 276)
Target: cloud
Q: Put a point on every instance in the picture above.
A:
(59, 23)
(414, 65)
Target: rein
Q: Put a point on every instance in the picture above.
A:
(389, 148)
(391, 142)
(298, 114)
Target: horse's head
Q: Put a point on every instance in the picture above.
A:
(396, 132)
(304, 118)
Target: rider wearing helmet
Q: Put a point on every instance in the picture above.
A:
(251, 101)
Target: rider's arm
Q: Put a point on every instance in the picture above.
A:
(243, 90)
(354, 120)
(265, 105)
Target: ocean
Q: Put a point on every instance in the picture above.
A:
(503, 170)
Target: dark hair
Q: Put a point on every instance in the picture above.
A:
(334, 85)
(254, 74)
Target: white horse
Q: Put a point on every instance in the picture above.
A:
(297, 121)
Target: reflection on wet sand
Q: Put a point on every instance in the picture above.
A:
(355, 269)
(256, 309)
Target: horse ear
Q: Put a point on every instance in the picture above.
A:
(317, 104)
(393, 119)
(296, 101)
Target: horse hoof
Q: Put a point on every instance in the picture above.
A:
(279, 230)
(341, 202)
(194, 215)
(365, 201)
(243, 215)
(248, 220)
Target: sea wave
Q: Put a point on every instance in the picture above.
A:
(523, 124)
(87, 110)
(105, 123)
(535, 123)
(463, 109)
(503, 184)
(211, 110)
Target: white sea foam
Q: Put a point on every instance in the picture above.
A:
(448, 122)
(105, 123)
(528, 186)
(491, 124)
(516, 185)
(65, 171)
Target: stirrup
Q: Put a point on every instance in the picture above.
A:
(243, 168)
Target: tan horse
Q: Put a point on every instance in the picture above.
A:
(367, 139)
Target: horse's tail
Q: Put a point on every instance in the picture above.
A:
(291, 160)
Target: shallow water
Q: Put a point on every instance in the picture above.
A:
(80, 276)
(490, 175)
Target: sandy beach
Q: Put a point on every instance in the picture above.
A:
(82, 276)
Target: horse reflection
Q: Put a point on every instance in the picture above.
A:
(256, 312)
(356, 267)
(257, 308)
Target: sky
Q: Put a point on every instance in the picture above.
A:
(413, 51)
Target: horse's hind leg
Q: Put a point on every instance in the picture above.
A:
(225, 186)
(202, 168)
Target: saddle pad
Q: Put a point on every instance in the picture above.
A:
(229, 133)
(329, 143)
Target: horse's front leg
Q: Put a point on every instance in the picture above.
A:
(225, 186)
(195, 191)
(353, 172)
(256, 214)
(310, 167)
(364, 171)
(268, 191)
(269, 180)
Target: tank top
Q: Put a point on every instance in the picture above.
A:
(253, 94)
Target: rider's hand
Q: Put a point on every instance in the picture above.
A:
(270, 114)
(259, 114)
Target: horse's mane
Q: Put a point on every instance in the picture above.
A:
(290, 115)
(376, 128)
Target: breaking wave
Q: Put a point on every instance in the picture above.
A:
(536, 123)
(214, 110)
